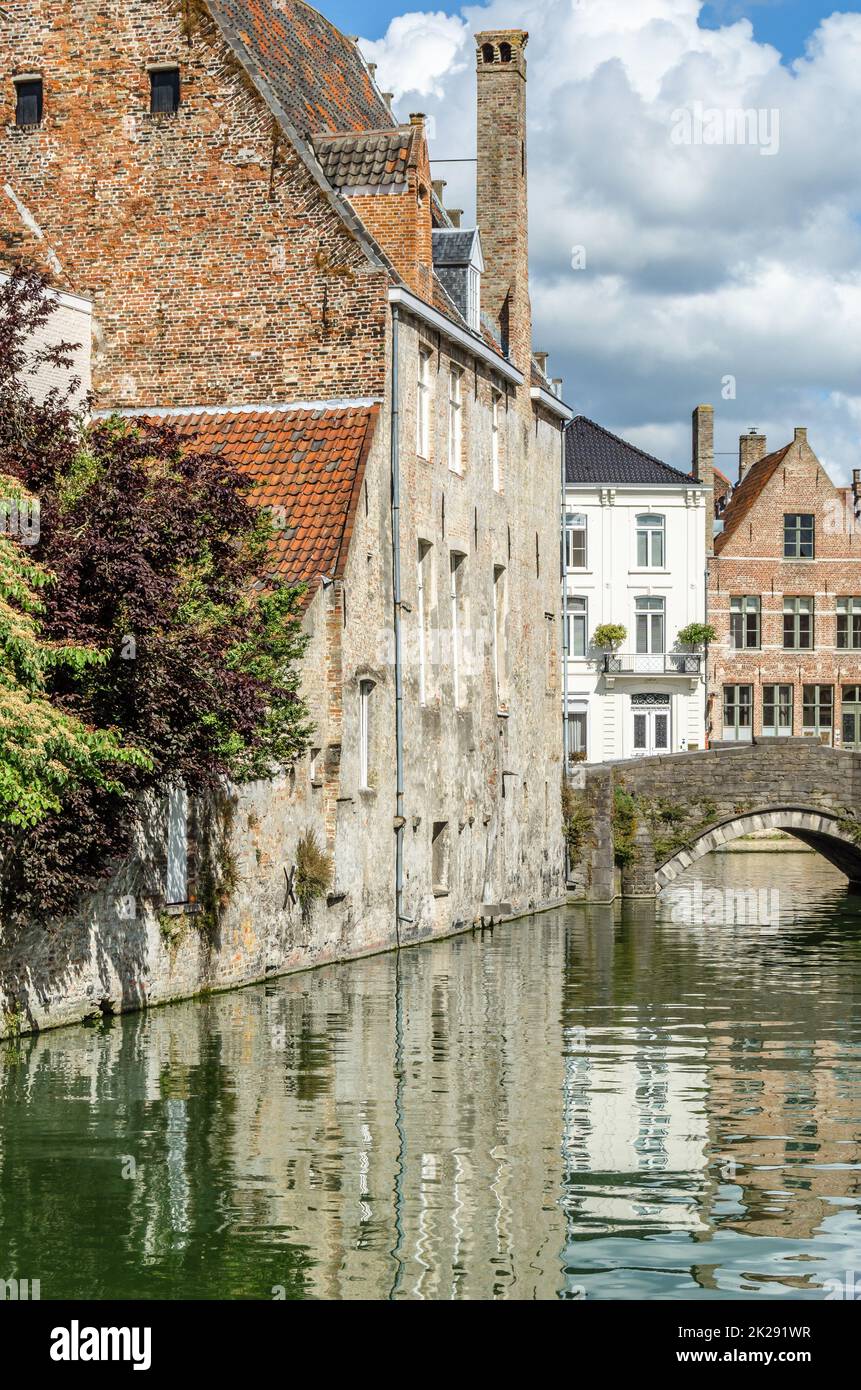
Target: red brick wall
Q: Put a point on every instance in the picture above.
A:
(218, 271)
(751, 562)
(401, 223)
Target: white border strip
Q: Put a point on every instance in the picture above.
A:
(416, 306)
(551, 402)
(161, 412)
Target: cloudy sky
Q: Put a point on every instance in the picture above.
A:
(704, 261)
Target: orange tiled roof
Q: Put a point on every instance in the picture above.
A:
(307, 464)
(317, 74)
(367, 158)
(747, 493)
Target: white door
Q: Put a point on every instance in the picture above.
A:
(651, 731)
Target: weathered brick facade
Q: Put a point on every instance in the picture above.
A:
(749, 563)
(228, 270)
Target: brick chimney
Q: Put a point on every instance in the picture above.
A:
(751, 448)
(703, 463)
(501, 188)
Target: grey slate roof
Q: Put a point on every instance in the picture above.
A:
(594, 455)
(453, 246)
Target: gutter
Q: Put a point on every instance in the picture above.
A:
(400, 297)
(551, 402)
(397, 598)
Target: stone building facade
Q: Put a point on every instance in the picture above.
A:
(255, 231)
(784, 586)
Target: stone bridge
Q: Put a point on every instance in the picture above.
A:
(637, 825)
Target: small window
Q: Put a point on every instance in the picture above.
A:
(777, 710)
(577, 625)
(817, 709)
(575, 541)
(500, 635)
(650, 542)
(849, 623)
(455, 421)
(576, 734)
(738, 713)
(495, 402)
(439, 856)
(798, 624)
(316, 767)
(424, 606)
(29, 101)
(798, 536)
(423, 414)
(649, 625)
(176, 890)
(164, 91)
(744, 621)
(366, 732)
(487, 52)
(459, 625)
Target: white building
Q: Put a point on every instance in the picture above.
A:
(635, 555)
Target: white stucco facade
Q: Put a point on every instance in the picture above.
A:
(641, 564)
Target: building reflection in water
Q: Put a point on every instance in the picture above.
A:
(592, 1103)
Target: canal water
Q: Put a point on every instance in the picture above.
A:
(592, 1103)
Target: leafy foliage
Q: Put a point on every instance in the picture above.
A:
(609, 636)
(155, 627)
(697, 635)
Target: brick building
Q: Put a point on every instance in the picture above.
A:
(271, 267)
(784, 586)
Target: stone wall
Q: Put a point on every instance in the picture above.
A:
(681, 797)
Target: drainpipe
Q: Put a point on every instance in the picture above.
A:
(564, 617)
(396, 585)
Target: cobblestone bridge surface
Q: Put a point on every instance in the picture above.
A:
(642, 823)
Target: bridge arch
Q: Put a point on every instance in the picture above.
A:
(822, 830)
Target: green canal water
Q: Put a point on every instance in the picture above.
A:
(592, 1103)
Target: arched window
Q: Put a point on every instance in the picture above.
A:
(650, 541)
(487, 52)
(505, 53)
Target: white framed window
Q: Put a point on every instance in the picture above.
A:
(423, 404)
(176, 888)
(457, 568)
(576, 551)
(424, 601)
(500, 635)
(576, 733)
(650, 541)
(366, 691)
(649, 624)
(473, 298)
(738, 713)
(495, 403)
(578, 617)
(455, 420)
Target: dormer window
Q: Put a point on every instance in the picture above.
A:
(473, 297)
(458, 262)
(164, 91)
(29, 102)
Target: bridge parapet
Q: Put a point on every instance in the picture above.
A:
(660, 808)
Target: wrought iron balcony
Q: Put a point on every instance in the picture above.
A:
(652, 663)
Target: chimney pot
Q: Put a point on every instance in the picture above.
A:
(751, 448)
(417, 118)
(455, 214)
(372, 69)
(388, 98)
(541, 359)
(557, 386)
(801, 433)
(439, 188)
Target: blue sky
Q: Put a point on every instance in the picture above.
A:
(723, 271)
(785, 23)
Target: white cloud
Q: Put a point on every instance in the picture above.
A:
(702, 260)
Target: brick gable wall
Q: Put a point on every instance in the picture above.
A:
(751, 562)
(219, 272)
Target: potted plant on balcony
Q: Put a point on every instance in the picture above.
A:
(695, 637)
(608, 637)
